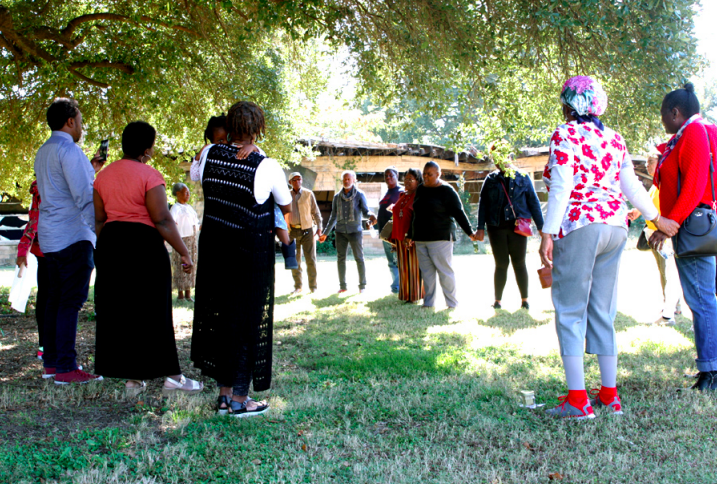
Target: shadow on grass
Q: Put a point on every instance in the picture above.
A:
(623, 322)
(282, 299)
(381, 337)
(333, 300)
(509, 323)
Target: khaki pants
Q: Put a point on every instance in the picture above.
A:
(304, 243)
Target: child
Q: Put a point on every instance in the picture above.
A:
(188, 225)
(216, 133)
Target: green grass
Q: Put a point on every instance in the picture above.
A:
(367, 390)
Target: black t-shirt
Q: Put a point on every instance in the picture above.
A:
(434, 210)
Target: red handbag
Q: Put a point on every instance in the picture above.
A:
(522, 225)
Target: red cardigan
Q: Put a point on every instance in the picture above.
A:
(691, 154)
(28, 242)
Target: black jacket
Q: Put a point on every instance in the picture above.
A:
(522, 194)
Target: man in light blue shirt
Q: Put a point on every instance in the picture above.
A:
(66, 233)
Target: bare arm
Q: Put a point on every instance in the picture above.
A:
(100, 214)
(156, 202)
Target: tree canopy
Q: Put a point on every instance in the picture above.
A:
(487, 69)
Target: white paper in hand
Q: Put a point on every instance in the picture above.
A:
(25, 280)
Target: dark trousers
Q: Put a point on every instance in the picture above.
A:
(508, 247)
(342, 247)
(69, 272)
(43, 283)
(243, 374)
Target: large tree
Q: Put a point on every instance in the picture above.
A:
(493, 64)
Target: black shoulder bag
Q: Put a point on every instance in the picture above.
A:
(697, 236)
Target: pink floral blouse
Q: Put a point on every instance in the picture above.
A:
(587, 174)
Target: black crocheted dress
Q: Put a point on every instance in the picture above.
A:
(234, 308)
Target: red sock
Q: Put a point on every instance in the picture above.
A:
(607, 395)
(577, 398)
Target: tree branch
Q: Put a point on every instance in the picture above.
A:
(120, 66)
(89, 80)
(75, 23)
(126, 68)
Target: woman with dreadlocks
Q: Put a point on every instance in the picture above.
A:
(233, 315)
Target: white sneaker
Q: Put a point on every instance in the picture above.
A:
(663, 321)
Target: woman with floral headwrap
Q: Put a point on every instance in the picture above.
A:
(588, 172)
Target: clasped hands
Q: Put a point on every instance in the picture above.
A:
(477, 236)
(666, 228)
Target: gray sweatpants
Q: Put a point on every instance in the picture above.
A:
(586, 263)
(437, 258)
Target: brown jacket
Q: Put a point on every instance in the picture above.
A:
(308, 209)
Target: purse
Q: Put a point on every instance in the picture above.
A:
(545, 274)
(697, 236)
(522, 225)
(387, 231)
(642, 242)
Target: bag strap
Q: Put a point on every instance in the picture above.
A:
(712, 181)
(508, 196)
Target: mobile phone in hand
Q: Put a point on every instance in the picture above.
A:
(104, 146)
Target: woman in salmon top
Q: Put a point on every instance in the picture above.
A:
(135, 332)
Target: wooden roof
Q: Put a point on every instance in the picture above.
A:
(332, 147)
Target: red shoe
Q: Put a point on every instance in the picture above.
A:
(50, 372)
(341, 291)
(566, 410)
(615, 406)
(77, 376)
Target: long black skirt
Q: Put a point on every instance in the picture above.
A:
(133, 302)
(234, 308)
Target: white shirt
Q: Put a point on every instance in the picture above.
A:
(185, 217)
(269, 178)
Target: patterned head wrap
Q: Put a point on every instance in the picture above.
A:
(585, 95)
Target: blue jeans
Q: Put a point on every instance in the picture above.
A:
(69, 272)
(392, 266)
(697, 275)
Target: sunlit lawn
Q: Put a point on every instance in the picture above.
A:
(367, 389)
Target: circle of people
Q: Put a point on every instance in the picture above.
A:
(116, 219)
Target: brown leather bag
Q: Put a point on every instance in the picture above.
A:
(546, 277)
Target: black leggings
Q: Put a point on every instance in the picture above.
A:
(507, 244)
